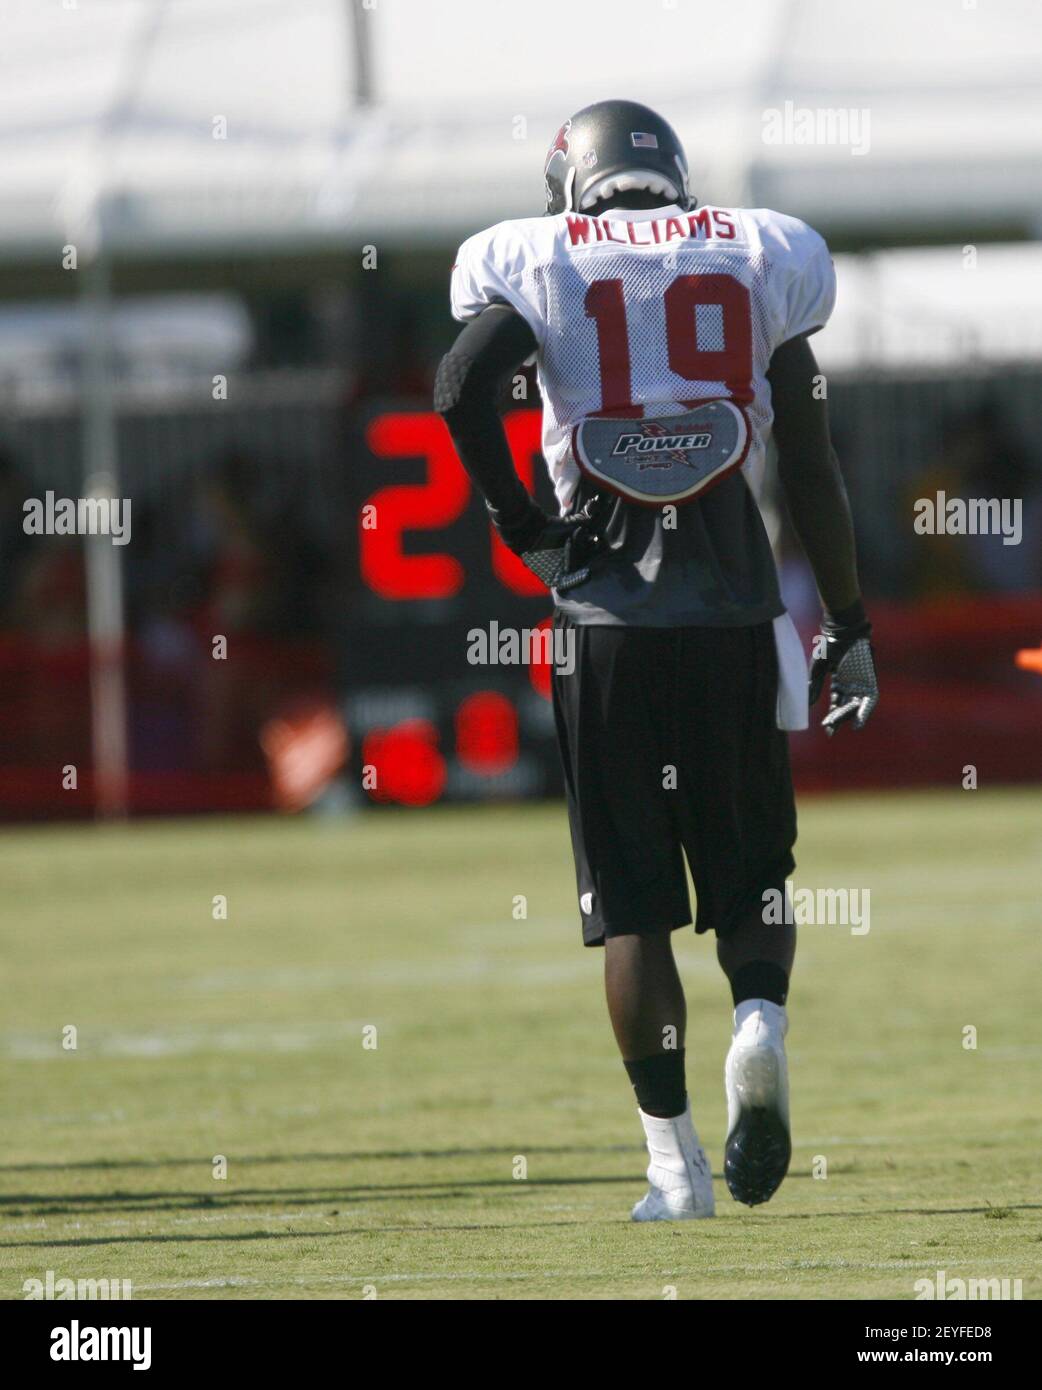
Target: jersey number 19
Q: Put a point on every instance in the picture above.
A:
(733, 364)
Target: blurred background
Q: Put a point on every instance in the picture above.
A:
(225, 249)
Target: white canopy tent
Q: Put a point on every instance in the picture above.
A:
(122, 99)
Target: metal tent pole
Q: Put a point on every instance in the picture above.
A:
(105, 621)
(361, 17)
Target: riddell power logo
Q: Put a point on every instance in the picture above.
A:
(655, 448)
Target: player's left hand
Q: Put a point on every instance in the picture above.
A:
(849, 660)
(561, 552)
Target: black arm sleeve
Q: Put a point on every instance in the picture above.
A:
(810, 476)
(465, 390)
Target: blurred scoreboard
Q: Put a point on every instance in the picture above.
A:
(447, 694)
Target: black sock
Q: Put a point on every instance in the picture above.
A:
(760, 979)
(659, 1083)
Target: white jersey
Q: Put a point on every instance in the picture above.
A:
(645, 311)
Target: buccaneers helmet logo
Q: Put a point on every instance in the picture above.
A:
(560, 144)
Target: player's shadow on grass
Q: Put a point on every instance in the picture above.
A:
(83, 1241)
(357, 1156)
(158, 1204)
(36, 1204)
(427, 1228)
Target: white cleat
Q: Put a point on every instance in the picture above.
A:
(680, 1183)
(756, 1078)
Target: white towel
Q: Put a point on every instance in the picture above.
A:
(793, 710)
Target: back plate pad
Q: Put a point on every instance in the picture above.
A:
(666, 458)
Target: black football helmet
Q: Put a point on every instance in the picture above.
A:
(614, 147)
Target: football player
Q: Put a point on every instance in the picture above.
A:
(671, 340)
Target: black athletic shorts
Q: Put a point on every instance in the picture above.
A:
(670, 747)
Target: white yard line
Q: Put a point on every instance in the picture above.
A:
(613, 1275)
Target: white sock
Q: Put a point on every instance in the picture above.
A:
(665, 1136)
(758, 1020)
(668, 1143)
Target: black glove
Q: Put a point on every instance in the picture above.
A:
(558, 549)
(848, 659)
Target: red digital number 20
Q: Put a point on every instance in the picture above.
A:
(392, 512)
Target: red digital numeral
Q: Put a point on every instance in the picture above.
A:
(540, 672)
(412, 506)
(524, 433)
(438, 502)
(486, 733)
(409, 768)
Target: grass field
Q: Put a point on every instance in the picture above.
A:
(351, 1168)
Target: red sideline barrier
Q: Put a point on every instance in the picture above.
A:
(194, 725)
(951, 695)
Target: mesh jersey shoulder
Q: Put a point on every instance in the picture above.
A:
(501, 265)
(798, 267)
